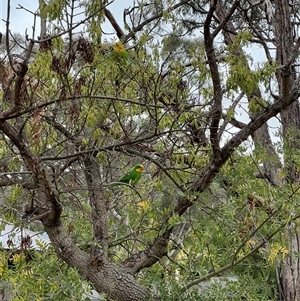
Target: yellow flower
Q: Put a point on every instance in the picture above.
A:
(119, 47)
(276, 250)
(16, 258)
(143, 205)
(28, 271)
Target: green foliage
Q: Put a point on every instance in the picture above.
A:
(15, 194)
(240, 75)
(150, 103)
(95, 9)
(52, 9)
(43, 278)
(242, 39)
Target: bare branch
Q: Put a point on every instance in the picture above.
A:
(114, 23)
(216, 110)
(153, 18)
(43, 40)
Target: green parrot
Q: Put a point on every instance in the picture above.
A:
(133, 176)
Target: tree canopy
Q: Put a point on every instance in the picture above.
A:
(187, 89)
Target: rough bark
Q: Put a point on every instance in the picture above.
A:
(290, 119)
(290, 268)
(107, 277)
(216, 110)
(98, 205)
(286, 74)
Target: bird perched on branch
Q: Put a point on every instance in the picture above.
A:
(132, 176)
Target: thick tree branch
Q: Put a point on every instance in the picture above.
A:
(98, 204)
(151, 255)
(33, 164)
(226, 18)
(214, 166)
(114, 24)
(106, 277)
(216, 111)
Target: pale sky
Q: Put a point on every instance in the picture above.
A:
(20, 19)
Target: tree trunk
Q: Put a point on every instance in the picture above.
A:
(290, 119)
(107, 277)
(290, 281)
